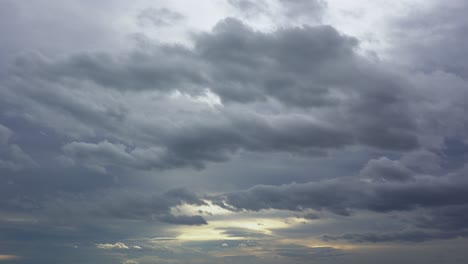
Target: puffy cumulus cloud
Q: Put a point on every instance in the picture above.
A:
(118, 245)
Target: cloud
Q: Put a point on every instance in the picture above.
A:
(242, 233)
(183, 219)
(304, 8)
(300, 51)
(99, 156)
(404, 236)
(158, 17)
(306, 253)
(432, 36)
(130, 262)
(365, 138)
(157, 207)
(309, 82)
(384, 169)
(449, 218)
(117, 245)
(342, 195)
(12, 156)
(247, 6)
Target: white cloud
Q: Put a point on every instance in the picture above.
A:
(118, 245)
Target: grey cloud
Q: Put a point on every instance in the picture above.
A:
(96, 209)
(242, 233)
(183, 219)
(184, 195)
(297, 90)
(248, 5)
(197, 143)
(307, 253)
(449, 218)
(384, 169)
(157, 207)
(342, 196)
(310, 216)
(433, 37)
(158, 17)
(300, 67)
(311, 9)
(423, 161)
(404, 236)
(310, 67)
(5, 134)
(99, 156)
(162, 67)
(250, 65)
(11, 155)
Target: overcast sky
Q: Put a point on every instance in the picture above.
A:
(233, 131)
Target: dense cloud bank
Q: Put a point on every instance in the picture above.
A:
(104, 141)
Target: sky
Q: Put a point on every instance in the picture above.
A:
(233, 131)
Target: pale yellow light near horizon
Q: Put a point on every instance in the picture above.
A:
(8, 257)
